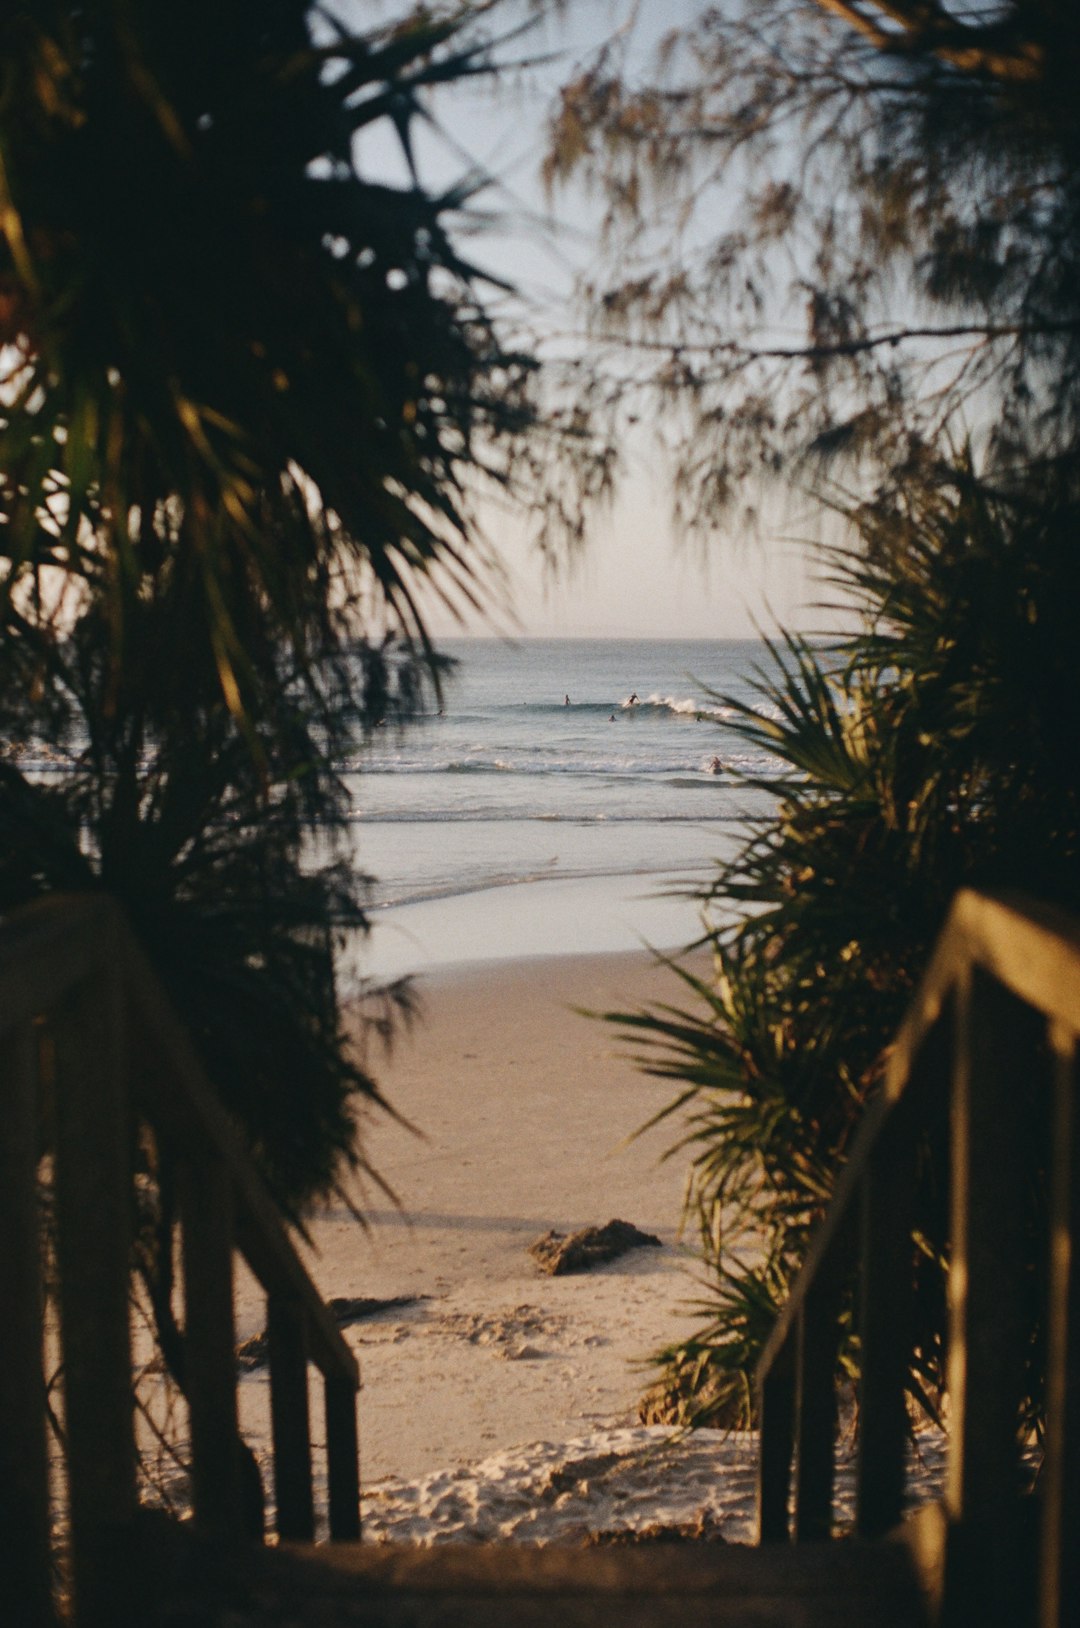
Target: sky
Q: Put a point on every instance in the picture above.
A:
(635, 578)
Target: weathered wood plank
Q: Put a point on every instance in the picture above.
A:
(994, 1089)
(93, 1200)
(209, 1344)
(343, 1459)
(886, 1296)
(658, 1586)
(816, 1403)
(885, 1345)
(831, 1233)
(181, 1098)
(1059, 1565)
(1030, 948)
(289, 1418)
(25, 1595)
(776, 1444)
(47, 948)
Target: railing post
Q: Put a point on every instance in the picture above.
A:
(776, 1446)
(25, 1594)
(342, 1458)
(816, 1407)
(996, 1049)
(93, 1202)
(884, 1346)
(886, 1296)
(289, 1418)
(209, 1344)
(1059, 1565)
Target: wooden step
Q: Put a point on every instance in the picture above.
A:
(702, 1585)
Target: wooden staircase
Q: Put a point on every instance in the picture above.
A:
(89, 1046)
(694, 1585)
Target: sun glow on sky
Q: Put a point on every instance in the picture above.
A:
(634, 578)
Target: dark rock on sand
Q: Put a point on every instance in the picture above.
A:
(557, 1253)
(255, 1352)
(354, 1308)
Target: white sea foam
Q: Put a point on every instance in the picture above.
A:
(470, 799)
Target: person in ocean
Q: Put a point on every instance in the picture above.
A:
(633, 700)
(566, 700)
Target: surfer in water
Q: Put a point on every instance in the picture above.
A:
(566, 700)
(633, 700)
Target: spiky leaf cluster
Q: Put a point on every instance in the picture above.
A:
(928, 751)
(249, 391)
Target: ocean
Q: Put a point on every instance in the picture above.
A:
(566, 797)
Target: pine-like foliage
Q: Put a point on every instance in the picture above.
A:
(834, 229)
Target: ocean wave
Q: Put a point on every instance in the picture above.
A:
(393, 895)
(544, 764)
(493, 765)
(687, 706)
(679, 706)
(654, 703)
(554, 709)
(499, 816)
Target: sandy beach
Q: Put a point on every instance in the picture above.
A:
(524, 1110)
(501, 1403)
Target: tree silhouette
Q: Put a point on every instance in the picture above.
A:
(250, 394)
(836, 230)
(844, 238)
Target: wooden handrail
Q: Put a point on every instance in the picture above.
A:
(74, 966)
(997, 1011)
(185, 1102)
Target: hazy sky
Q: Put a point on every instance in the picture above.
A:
(635, 582)
(634, 578)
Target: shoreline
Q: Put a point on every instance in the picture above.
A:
(445, 892)
(551, 918)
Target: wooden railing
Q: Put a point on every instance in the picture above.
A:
(74, 983)
(990, 1040)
